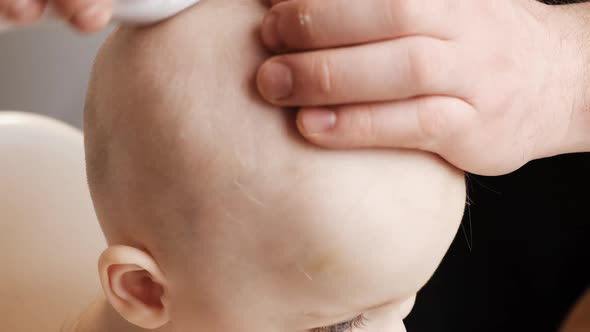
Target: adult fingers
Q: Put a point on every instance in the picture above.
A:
(385, 71)
(313, 24)
(21, 11)
(427, 123)
(85, 15)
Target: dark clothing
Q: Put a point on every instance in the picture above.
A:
(530, 256)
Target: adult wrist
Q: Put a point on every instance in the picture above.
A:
(573, 25)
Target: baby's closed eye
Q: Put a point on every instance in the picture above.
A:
(346, 326)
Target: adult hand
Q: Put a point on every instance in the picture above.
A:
(83, 15)
(488, 85)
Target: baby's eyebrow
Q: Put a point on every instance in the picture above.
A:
(328, 315)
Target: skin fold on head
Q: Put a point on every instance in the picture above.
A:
(230, 220)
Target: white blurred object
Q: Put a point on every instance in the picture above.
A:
(125, 11)
(47, 224)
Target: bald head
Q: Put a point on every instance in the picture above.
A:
(186, 162)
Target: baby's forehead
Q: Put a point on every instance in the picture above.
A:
(201, 167)
(185, 75)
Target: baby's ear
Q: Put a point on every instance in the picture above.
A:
(135, 286)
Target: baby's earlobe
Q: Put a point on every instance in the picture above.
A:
(134, 285)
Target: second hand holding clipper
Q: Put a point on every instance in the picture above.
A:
(124, 11)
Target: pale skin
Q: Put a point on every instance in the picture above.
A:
(455, 77)
(216, 222)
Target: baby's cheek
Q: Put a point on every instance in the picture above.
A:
(389, 318)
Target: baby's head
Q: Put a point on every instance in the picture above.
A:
(220, 217)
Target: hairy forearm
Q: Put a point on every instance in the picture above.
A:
(572, 24)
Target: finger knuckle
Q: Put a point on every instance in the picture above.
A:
(401, 15)
(432, 123)
(420, 66)
(70, 8)
(371, 128)
(322, 71)
(361, 123)
(446, 124)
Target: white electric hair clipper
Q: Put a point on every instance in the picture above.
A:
(137, 12)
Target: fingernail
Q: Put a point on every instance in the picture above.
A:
(93, 17)
(317, 121)
(276, 81)
(269, 31)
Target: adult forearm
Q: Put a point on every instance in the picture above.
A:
(572, 23)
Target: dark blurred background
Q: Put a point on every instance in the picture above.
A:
(521, 257)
